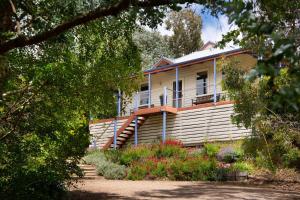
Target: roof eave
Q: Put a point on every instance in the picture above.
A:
(195, 61)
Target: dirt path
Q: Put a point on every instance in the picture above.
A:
(128, 190)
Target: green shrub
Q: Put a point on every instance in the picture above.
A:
(175, 170)
(210, 150)
(113, 155)
(103, 166)
(94, 157)
(137, 172)
(115, 172)
(203, 170)
(160, 170)
(292, 158)
(167, 151)
(192, 169)
(131, 155)
(241, 167)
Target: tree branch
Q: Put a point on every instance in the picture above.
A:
(22, 41)
(100, 12)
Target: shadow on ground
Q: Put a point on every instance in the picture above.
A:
(217, 191)
(85, 195)
(194, 190)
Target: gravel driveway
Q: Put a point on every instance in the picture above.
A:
(108, 189)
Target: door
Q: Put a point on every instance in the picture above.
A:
(179, 93)
(201, 86)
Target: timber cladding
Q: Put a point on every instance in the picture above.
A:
(103, 131)
(191, 126)
(194, 126)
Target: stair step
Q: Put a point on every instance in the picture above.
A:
(88, 169)
(124, 135)
(129, 128)
(121, 139)
(139, 121)
(90, 173)
(127, 132)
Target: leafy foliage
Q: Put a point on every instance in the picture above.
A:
(153, 46)
(46, 98)
(275, 131)
(210, 150)
(186, 26)
(174, 162)
(268, 96)
(105, 167)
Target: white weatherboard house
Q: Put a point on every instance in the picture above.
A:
(181, 99)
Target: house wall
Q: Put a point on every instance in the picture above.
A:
(188, 76)
(103, 131)
(193, 126)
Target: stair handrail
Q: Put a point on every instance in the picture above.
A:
(106, 129)
(120, 130)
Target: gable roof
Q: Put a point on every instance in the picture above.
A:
(207, 45)
(197, 57)
(163, 61)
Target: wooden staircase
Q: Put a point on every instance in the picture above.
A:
(125, 131)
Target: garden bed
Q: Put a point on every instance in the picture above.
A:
(170, 161)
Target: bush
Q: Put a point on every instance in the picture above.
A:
(115, 172)
(176, 170)
(101, 167)
(137, 172)
(105, 167)
(113, 155)
(241, 167)
(192, 169)
(131, 155)
(94, 157)
(292, 158)
(167, 151)
(210, 150)
(160, 170)
(204, 170)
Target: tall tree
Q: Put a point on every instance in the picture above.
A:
(186, 26)
(152, 46)
(60, 60)
(268, 96)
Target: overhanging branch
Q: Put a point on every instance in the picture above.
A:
(100, 12)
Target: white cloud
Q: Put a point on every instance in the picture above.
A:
(214, 30)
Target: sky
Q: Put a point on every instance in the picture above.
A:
(212, 28)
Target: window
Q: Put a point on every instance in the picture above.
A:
(201, 83)
(144, 87)
(143, 94)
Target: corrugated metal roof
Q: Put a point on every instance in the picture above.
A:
(197, 56)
